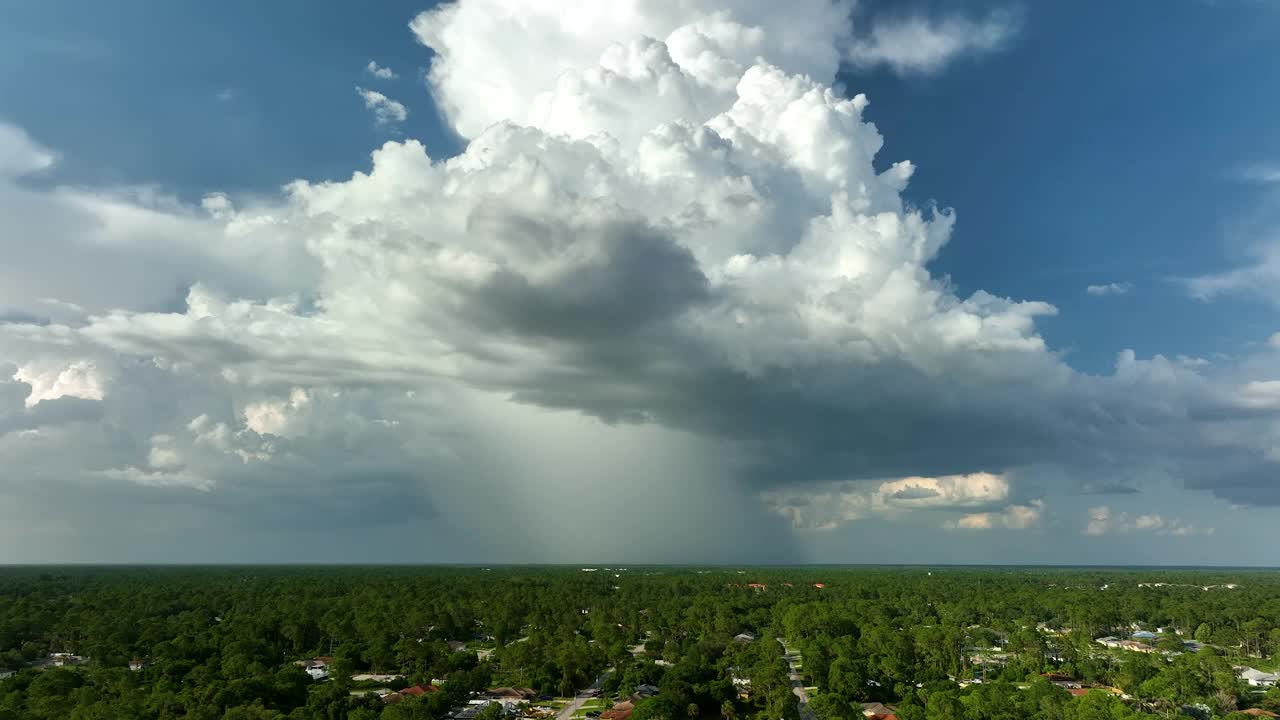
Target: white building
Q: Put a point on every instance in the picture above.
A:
(1257, 678)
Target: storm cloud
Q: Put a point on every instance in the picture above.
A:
(670, 278)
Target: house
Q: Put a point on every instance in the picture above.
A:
(136, 665)
(1078, 692)
(63, 659)
(878, 711)
(1063, 681)
(457, 646)
(1135, 646)
(745, 637)
(620, 711)
(1109, 641)
(510, 696)
(1144, 635)
(4, 674)
(1257, 678)
(1192, 645)
(318, 673)
(471, 710)
(643, 692)
(375, 677)
(419, 690)
(819, 585)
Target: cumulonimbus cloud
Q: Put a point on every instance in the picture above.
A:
(665, 219)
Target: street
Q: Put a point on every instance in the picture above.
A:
(566, 713)
(797, 680)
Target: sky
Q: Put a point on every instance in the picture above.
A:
(646, 282)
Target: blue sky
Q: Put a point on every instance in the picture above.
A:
(1083, 144)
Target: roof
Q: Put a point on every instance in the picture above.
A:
(621, 711)
(1079, 691)
(875, 709)
(1253, 674)
(417, 690)
(514, 693)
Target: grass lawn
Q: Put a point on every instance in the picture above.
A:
(594, 705)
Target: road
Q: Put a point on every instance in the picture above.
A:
(797, 680)
(582, 697)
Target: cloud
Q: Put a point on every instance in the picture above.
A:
(1260, 277)
(1102, 521)
(20, 155)
(919, 44)
(828, 506)
(1012, 517)
(1115, 288)
(1261, 173)
(385, 110)
(382, 73)
(79, 379)
(669, 273)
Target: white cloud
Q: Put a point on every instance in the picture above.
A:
(80, 379)
(830, 505)
(385, 110)
(1259, 394)
(1260, 277)
(920, 44)
(1012, 517)
(273, 417)
(1261, 173)
(1102, 521)
(158, 478)
(20, 155)
(382, 73)
(1115, 288)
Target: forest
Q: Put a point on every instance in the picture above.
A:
(655, 643)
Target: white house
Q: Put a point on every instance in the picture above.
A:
(745, 637)
(1257, 678)
(6, 674)
(136, 665)
(318, 673)
(62, 659)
